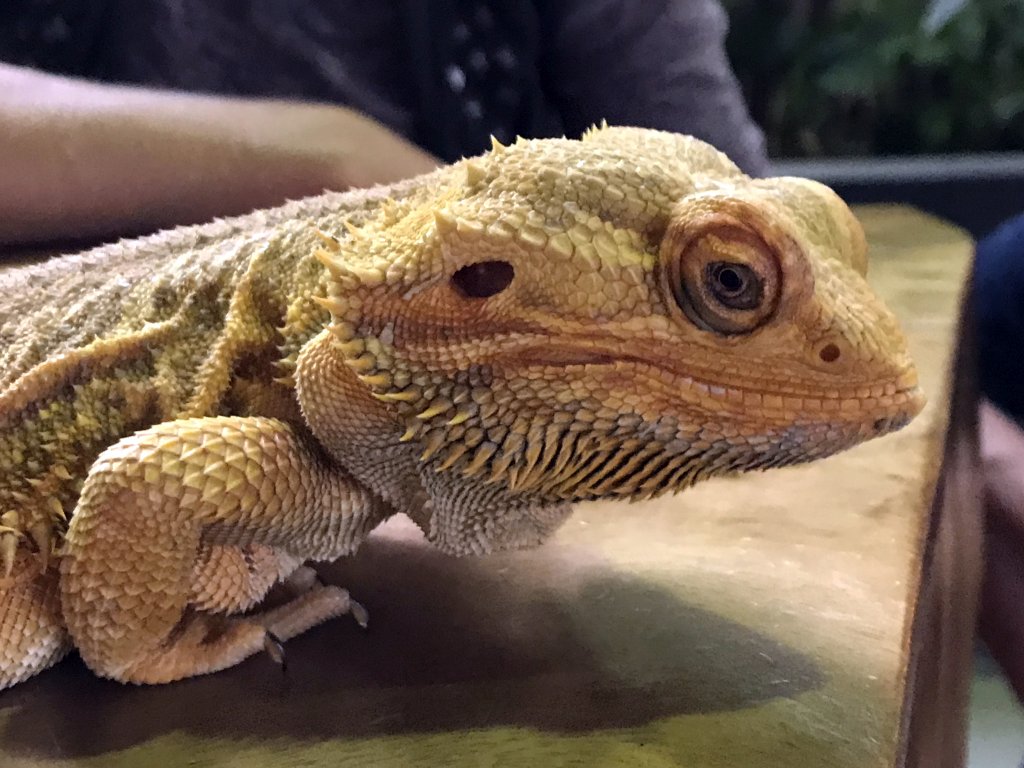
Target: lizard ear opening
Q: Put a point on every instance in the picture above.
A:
(483, 279)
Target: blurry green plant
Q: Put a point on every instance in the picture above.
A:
(871, 77)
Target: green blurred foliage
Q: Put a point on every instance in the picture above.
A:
(875, 77)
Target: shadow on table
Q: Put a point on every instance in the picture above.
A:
(546, 639)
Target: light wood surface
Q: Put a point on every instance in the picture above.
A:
(748, 622)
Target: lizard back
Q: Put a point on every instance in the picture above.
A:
(196, 321)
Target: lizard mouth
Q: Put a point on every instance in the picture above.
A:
(883, 407)
(907, 403)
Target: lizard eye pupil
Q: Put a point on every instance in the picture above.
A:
(728, 279)
(736, 286)
(483, 279)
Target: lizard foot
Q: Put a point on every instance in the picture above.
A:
(182, 529)
(207, 643)
(316, 602)
(314, 607)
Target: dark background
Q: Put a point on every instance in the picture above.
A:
(923, 102)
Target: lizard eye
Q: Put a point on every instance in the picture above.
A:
(483, 279)
(726, 280)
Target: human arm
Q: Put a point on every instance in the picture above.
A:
(85, 160)
(998, 294)
(1002, 612)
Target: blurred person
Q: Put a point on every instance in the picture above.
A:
(972, 555)
(999, 306)
(302, 96)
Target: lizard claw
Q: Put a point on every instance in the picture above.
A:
(274, 648)
(359, 613)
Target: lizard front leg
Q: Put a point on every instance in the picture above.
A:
(154, 508)
(32, 633)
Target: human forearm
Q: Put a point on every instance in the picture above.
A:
(84, 160)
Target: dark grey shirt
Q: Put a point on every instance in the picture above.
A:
(999, 306)
(445, 73)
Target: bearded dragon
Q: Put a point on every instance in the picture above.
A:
(478, 348)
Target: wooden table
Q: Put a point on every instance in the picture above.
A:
(759, 621)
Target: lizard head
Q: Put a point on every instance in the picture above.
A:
(619, 317)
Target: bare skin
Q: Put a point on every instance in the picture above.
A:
(84, 161)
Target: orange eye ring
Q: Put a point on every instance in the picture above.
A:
(725, 279)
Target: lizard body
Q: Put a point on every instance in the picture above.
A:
(478, 348)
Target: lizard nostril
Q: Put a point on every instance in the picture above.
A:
(829, 353)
